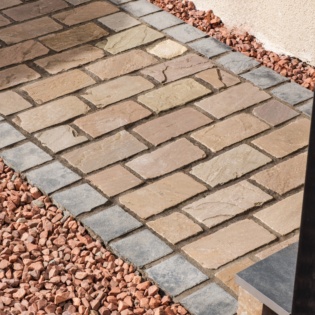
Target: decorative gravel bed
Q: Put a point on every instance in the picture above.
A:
(49, 264)
(208, 22)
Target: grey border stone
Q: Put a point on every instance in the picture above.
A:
(184, 33)
(162, 20)
(119, 21)
(140, 8)
(209, 47)
(9, 135)
(307, 108)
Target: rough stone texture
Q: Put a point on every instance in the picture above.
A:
(79, 199)
(9, 3)
(70, 59)
(307, 108)
(229, 101)
(166, 159)
(175, 227)
(141, 248)
(161, 20)
(177, 68)
(274, 113)
(230, 131)
(171, 125)
(112, 118)
(73, 37)
(25, 156)
(284, 176)
(119, 21)
(27, 30)
(209, 47)
(211, 299)
(116, 90)
(167, 49)
(245, 159)
(4, 21)
(292, 93)
(264, 77)
(226, 203)
(16, 75)
(111, 223)
(176, 275)
(114, 180)
(51, 114)
(61, 84)
(85, 13)
(60, 138)
(283, 216)
(59, 177)
(77, 2)
(175, 189)
(227, 244)
(140, 8)
(248, 304)
(285, 140)
(184, 33)
(173, 95)
(237, 62)
(98, 154)
(122, 64)
(128, 39)
(11, 102)
(9, 135)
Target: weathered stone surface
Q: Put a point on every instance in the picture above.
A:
(306, 108)
(4, 21)
(77, 2)
(9, 135)
(11, 102)
(209, 47)
(248, 304)
(184, 33)
(167, 49)
(161, 20)
(119, 21)
(9, 3)
(140, 8)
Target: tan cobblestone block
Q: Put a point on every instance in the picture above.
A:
(70, 59)
(131, 38)
(161, 195)
(232, 100)
(175, 227)
(86, 13)
(244, 160)
(116, 90)
(121, 64)
(284, 176)
(248, 304)
(98, 154)
(174, 94)
(285, 140)
(167, 49)
(114, 180)
(50, 114)
(61, 84)
(112, 118)
(4, 21)
(11, 102)
(172, 125)
(166, 159)
(227, 244)
(16, 75)
(230, 131)
(27, 30)
(73, 37)
(226, 203)
(8, 3)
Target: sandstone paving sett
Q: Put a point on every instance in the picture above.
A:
(9, 3)
(119, 21)
(11, 102)
(166, 49)
(4, 21)
(9, 135)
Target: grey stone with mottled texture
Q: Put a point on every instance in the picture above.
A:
(307, 108)
(140, 8)
(184, 33)
(162, 20)
(9, 135)
(209, 47)
(119, 21)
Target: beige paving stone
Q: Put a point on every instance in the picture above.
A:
(4, 21)
(116, 90)
(177, 68)
(119, 21)
(249, 305)
(70, 59)
(172, 125)
(8, 3)
(285, 140)
(51, 114)
(73, 36)
(161, 195)
(114, 180)
(112, 118)
(34, 9)
(175, 227)
(27, 30)
(61, 84)
(16, 75)
(174, 94)
(166, 159)
(131, 38)
(240, 160)
(232, 100)
(121, 64)
(167, 49)
(11, 102)
(225, 245)
(230, 131)
(60, 138)
(284, 176)
(226, 203)
(98, 154)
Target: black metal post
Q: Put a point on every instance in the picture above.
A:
(304, 287)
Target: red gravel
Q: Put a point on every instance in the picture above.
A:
(208, 22)
(49, 264)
